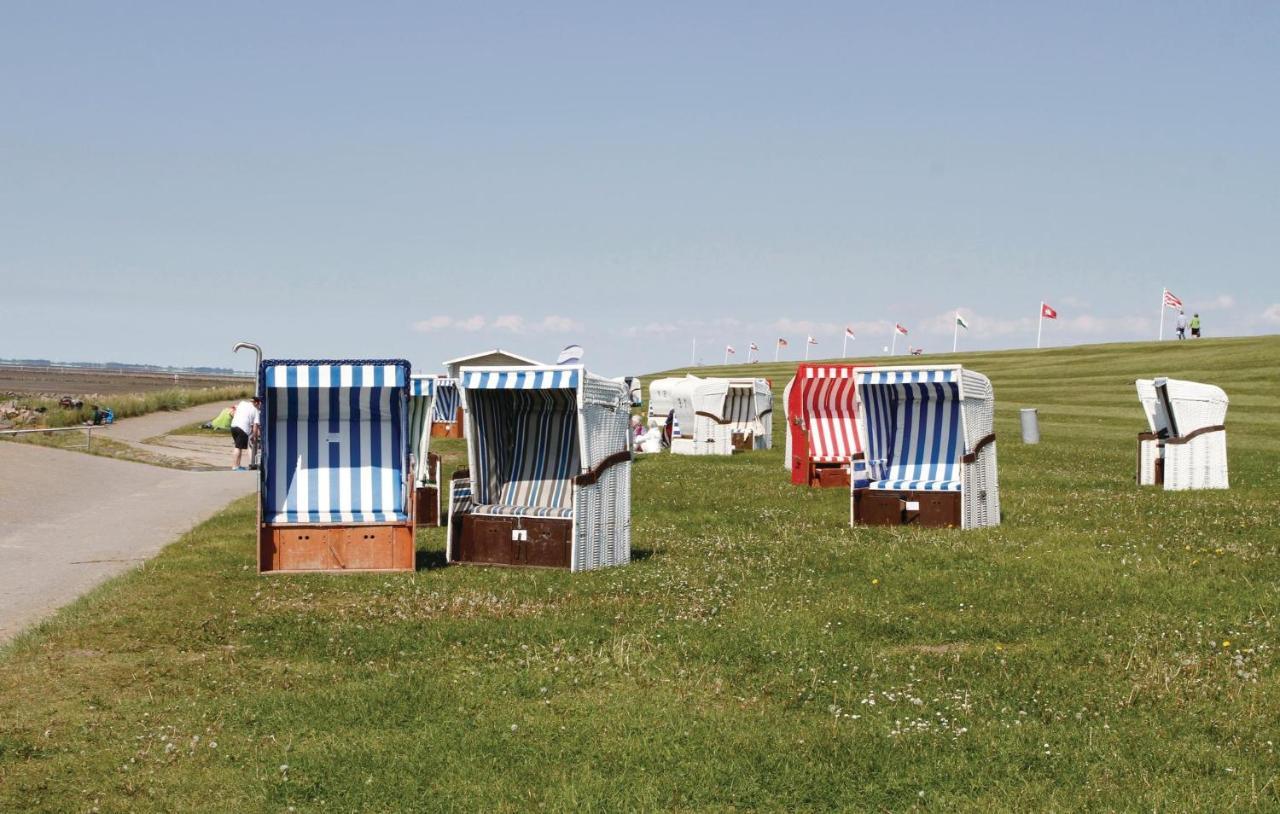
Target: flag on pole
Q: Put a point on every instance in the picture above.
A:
(1047, 311)
(960, 321)
(729, 349)
(898, 328)
(782, 343)
(571, 355)
(812, 341)
(849, 332)
(1171, 301)
(754, 346)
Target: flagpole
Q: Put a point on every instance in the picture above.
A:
(693, 356)
(893, 344)
(844, 346)
(1163, 291)
(1040, 325)
(955, 333)
(726, 354)
(777, 349)
(806, 348)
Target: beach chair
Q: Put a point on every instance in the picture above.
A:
(334, 487)
(930, 448)
(549, 469)
(824, 444)
(446, 409)
(423, 392)
(1186, 446)
(714, 416)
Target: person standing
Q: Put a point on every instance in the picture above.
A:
(1195, 326)
(1182, 324)
(246, 423)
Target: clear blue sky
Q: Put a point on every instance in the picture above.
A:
(426, 180)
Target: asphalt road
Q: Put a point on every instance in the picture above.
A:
(69, 521)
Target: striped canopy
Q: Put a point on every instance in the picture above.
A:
(829, 407)
(914, 427)
(335, 441)
(537, 378)
(525, 452)
(422, 386)
(447, 401)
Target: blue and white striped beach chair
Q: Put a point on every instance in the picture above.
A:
(424, 391)
(549, 478)
(335, 483)
(930, 447)
(447, 402)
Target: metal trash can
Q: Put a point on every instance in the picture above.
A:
(1030, 425)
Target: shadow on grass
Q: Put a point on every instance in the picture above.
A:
(429, 560)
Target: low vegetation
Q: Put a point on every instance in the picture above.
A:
(1107, 647)
(129, 405)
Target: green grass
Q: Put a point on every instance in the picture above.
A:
(129, 405)
(1107, 647)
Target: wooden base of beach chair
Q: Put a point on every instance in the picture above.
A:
(439, 429)
(829, 476)
(744, 441)
(426, 501)
(528, 541)
(906, 508)
(300, 549)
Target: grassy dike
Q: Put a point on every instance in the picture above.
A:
(1107, 647)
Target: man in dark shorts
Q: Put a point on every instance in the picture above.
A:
(1195, 327)
(246, 423)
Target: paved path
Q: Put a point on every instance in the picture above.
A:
(204, 451)
(68, 520)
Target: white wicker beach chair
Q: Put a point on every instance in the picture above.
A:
(549, 477)
(714, 416)
(824, 446)
(335, 483)
(930, 448)
(1186, 446)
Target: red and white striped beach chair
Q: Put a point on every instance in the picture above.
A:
(824, 446)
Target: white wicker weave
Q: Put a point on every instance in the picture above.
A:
(1188, 418)
(710, 411)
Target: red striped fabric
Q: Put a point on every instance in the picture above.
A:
(831, 411)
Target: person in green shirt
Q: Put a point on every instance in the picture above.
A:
(1195, 326)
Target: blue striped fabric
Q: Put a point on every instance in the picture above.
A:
(447, 401)
(422, 386)
(526, 452)
(522, 379)
(914, 429)
(335, 441)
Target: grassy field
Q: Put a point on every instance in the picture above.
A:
(1107, 647)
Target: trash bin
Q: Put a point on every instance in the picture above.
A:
(1030, 425)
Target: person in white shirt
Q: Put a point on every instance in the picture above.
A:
(246, 423)
(1182, 324)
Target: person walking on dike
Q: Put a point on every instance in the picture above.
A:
(1195, 326)
(1182, 324)
(246, 422)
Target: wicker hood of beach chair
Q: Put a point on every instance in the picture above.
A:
(1185, 446)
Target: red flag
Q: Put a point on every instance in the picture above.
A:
(1171, 301)
(1047, 312)
(849, 332)
(782, 343)
(729, 349)
(898, 327)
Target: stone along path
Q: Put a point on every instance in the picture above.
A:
(69, 521)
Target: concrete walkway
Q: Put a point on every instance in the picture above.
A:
(69, 521)
(202, 451)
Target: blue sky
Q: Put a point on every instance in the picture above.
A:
(423, 180)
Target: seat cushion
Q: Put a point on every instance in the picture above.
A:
(523, 511)
(916, 485)
(281, 518)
